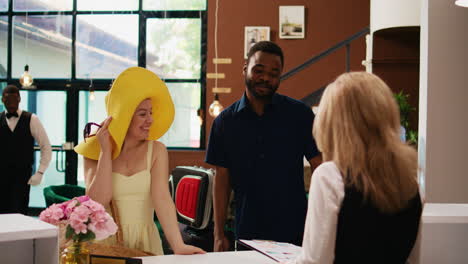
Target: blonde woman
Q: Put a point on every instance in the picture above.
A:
(364, 203)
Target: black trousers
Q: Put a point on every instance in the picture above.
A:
(14, 190)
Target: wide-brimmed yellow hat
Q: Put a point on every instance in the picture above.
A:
(131, 87)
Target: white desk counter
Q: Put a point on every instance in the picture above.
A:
(19, 227)
(231, 257)
(444, 234)
(25, 239)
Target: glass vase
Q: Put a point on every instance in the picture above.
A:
(76, 253)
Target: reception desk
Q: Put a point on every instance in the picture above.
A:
(443, 239)
(444, 234)
(25, 239)
(231, 257)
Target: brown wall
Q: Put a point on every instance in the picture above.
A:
(327, 23)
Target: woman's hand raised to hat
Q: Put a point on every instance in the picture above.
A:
(104, 136)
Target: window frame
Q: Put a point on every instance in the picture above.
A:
(72, 86)
(80, 84)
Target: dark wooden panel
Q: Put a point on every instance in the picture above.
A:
(396, 61)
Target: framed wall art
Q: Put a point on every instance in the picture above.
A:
(253, 35)
(291, 22)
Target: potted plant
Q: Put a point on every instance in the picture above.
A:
(411, 136)
(83, 220)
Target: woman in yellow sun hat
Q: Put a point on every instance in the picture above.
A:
(124, 163)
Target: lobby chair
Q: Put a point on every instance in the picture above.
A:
(61, 193)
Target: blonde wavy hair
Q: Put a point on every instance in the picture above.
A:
(357, 127)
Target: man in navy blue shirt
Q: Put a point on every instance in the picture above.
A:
(257, 145)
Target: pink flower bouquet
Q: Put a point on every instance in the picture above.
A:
(85, 219)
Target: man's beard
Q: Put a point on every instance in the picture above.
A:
(251, 87)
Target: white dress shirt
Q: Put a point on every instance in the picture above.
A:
(39, 134)
(326, 195)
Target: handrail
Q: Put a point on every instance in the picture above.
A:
(325, 53)
(314, 98)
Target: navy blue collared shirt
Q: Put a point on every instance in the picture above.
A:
(264, 157)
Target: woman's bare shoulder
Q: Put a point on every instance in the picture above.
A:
(159, 149)
(158, 146)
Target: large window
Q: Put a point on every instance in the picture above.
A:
(78, 46)
(43, 43)
(3, 45)
(105, 45)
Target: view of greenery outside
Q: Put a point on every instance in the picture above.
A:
(176, 45)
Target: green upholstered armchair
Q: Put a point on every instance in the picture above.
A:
(61, 193)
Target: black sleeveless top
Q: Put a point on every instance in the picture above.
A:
(366, 235)
(17, 147)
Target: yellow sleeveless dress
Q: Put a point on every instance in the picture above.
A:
(132, 197)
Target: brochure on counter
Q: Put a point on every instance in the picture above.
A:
(279, 251)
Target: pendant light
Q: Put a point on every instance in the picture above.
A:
(200, 115)
(92, 96)
(26, 80)
(216, 107)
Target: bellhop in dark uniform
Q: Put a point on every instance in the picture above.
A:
(16, 160)
(18, 131)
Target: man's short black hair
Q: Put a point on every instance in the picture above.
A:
(11, 88)
(266, 46)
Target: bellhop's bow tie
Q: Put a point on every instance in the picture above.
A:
(8, 115)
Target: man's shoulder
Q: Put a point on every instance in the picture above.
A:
(229, 111)
(32, 117)
(28, 116)
(294, 104)
(26, 113)
(233, 107)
